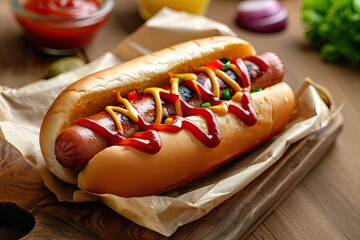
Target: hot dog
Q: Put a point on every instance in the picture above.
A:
(72, 145)
(192, 112)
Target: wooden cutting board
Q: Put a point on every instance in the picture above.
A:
(29, 209)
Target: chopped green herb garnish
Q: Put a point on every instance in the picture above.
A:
(206, 105)
(256, 89)
(226, 66)
(181, 79)
(226, 94)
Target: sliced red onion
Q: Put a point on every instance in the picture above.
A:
(262, 15)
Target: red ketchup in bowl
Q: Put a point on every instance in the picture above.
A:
(61, 26)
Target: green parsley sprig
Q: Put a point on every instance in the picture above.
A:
(333, 27)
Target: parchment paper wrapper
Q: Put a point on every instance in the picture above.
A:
(22, 111)
(167, 28)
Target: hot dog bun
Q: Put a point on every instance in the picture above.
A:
(94, 92)
(151, 70)
(182, 157)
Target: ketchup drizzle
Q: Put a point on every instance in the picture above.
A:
(148, 139)
(245, 112)
(244, 73)
(211, 139)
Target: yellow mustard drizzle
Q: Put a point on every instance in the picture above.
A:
(220, 109)
(128, 111)
(174, 84)
(228, 80)
(237, 96)
(214, 83)
(155, 92)
(169, 121)
(235, 69)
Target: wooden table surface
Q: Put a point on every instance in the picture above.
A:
(326, 204)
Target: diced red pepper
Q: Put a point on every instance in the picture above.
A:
(217, 64)
(132, 95)
(226, 66)
(226, 94)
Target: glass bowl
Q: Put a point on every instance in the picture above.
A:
(59, 27)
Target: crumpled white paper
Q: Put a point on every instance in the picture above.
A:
(22, 110)
(166, 28)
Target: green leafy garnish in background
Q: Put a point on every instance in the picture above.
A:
(333, 27)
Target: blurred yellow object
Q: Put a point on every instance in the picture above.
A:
(148, 8)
